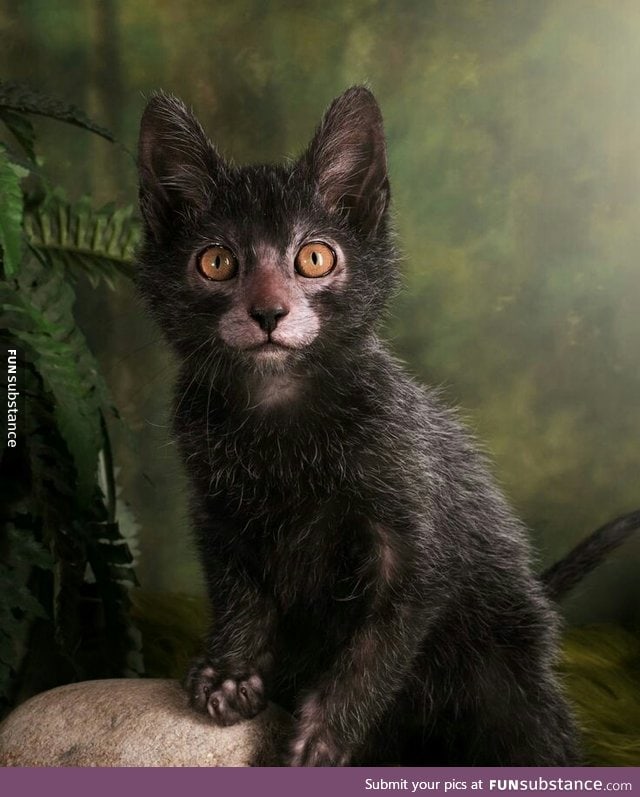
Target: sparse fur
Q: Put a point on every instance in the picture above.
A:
(362, 567)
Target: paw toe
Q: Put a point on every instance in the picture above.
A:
(227, 699)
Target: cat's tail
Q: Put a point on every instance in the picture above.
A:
(561, 577)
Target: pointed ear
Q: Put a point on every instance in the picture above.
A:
(177, 164)
(347, 159)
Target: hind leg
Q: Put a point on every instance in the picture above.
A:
(530, 725)
(495, 719)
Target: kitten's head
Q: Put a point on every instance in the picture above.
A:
(266, 268)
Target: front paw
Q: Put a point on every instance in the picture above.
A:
(320, 750)
(226, 697)
(314, 744)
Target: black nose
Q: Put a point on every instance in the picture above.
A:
(268, 317)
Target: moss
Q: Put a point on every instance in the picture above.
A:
(601, 666)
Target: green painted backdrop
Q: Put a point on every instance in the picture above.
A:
(513, 130)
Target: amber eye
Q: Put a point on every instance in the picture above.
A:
(217, 263)
(315, 260)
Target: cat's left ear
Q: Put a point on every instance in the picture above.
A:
(178, 166)
(347, 159)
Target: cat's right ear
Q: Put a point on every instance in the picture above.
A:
(177, 164)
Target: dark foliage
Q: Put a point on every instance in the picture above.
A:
(65, 566)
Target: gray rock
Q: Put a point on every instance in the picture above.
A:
(132, 723)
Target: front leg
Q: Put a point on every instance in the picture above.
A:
(336, 718)
(229, 682)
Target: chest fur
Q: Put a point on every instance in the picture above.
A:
(316, 556)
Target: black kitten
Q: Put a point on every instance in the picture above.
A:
(362, 567)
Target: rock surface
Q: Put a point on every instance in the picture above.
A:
(132, 723)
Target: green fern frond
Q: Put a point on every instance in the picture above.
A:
(24, 99)
(100, 243)
(22, 129)
(11, 210)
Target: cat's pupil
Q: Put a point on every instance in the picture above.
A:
(218, 261)
(316, 259)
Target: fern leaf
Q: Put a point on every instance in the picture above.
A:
(100, 243)
(24, 99)
(20, 607)
(11, 210)
(22, 129)
(25, 548)
(37, 309)
(111, 562)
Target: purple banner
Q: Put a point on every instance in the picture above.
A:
(318, 782)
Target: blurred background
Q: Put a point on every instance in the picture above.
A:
(513, 130)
